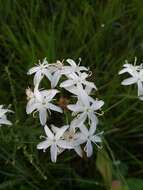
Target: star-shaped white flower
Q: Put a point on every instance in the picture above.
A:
(41, 102)
(59, 69)
(76, 68)
(89, 137)
(86, 109)
(136, 72)
(41, 70)
(54, 141)
(3, 117)
(77, 80)
(71, 136)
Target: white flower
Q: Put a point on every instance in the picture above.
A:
(76, 68)
(89, 137)
(3, 117)
(54, 141)
(41, 70)
(86, 109)
(71, 136)
(59, 69)
(78, 81)
(136, 72)
(140, 85)
(41, 102)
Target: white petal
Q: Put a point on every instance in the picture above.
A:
(73, 76)
(79, 119)
(82, 68)
(93, 118)
(37, 78)
(1, 106)
(75, 107)
(55, 108)
(124, 70)
(61, 131)
(128, 65)
(3, 111)
(67, 83)
(129, 81)
(60, 150)
(97, 104)
(140, 88)
(66, 70)
(84, 130)
(88, 149)
(55, 79)
(4, 121)
(79, 151)
(38, 94)
(43, 116)
(64, 144)
(47, 73)
(82, 95)
(80, 139)
(31, 106)
(49, 94)
(88, 89)
(48, 132)
(54, 128)
(72, 63)
(141, 98)
(54, 151)
(74, 126)
(90, 84)
(83, 76)
(92, 129)
(33, 70)
(72, 89)
(96, 139)
(44, 145)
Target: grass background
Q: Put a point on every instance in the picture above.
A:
(103, 33)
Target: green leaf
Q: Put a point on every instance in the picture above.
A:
(104, 166)
(135, 184)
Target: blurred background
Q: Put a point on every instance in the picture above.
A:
(103, 33)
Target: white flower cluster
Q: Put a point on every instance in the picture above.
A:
(3, 117)
(136, 72)
(78, 134)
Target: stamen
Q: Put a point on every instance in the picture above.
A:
(141, 66)
(74, 114)
(49, 111)
(34, 113)
(98, 146)
(79, 61)
(126, 61)
(100, 114)
(135, 61)
(90, 73)
(42, 137)
(101, 133)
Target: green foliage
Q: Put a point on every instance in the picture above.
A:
(103, 33)
(104, 165)
(135, 183)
